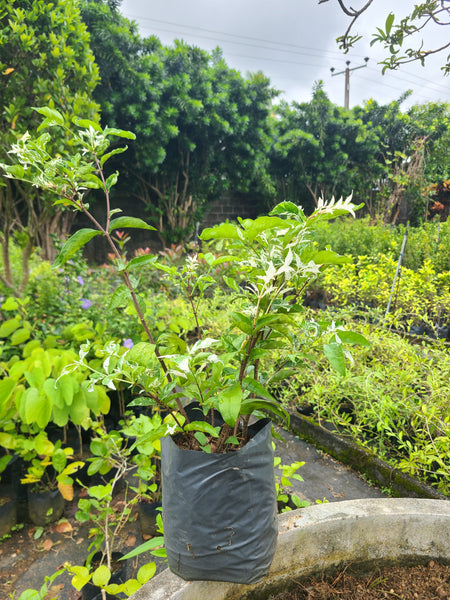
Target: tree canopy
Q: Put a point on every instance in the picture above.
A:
(45, 60)
(200, 126)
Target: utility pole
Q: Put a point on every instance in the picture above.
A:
(347, 79)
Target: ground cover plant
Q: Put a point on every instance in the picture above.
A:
(395, 402)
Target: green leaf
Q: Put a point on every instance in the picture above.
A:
(53, 393)
(101, 576)
(224, 259)
(249, 405)
(8, 327)
(232, 440)
(220, 232)
(288, 208)
(37, 408)
(36, 378)
(86, 124)
(268, 320)
(92, 181)
(231, 283)
(242, 322)
(59, 460)
(142, 353)
(327, 257)
(53, 116)
(129, 135)
(81, 576)
(112, 180)
(15, 171)
(389, 22)
(10, 304)
(120, 297)
(145, 547)
(254, 228)
(255, 387)
(73, 244)
(108, 155)
(68, 386)
(335, 354)
(229, 403)
(202, 426)
(282, 375)
(201, 438)
(6, 387)
(351, 337)
(139, 261)
(133, 222)
(146, 572)
(19, 336)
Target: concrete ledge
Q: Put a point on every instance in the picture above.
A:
(324, 537)
(361, 460)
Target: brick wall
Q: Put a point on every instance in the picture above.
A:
(231, 206)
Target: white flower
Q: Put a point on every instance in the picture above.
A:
(170, 429)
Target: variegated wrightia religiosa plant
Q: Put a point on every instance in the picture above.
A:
(220, 520)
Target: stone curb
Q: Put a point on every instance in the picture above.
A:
(321, 538)
(359, 459)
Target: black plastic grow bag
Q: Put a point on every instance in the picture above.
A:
(219, 510)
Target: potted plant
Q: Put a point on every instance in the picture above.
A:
(8, 511)
(104, 572)
(147, 457)
(48, 476)
(220, 518)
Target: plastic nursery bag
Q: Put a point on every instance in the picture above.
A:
(219, 510)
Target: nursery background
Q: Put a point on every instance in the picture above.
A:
(208, 144)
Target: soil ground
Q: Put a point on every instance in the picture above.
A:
(421, 582)
(26, 559)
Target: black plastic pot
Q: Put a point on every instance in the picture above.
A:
(8, 514)
(119, 575)
(220, 510)
(45, 507)
(148, 511)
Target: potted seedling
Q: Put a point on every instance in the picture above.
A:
(218, 488)
(104, 573)
(147, 457)
(48, 477)
(8, 511)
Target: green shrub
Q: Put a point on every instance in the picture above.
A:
(394, 403)
(429, 242)
(421, 296)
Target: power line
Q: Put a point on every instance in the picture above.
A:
(399, 76)
(288, 46)
(284, 47)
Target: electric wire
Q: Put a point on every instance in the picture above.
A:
(284, 48)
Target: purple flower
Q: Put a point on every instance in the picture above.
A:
(80, 280)
(128, 343)
(85, 303)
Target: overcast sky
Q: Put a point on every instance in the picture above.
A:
(293, 43)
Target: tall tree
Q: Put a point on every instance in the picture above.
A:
(412, 153)
(220, 135)
(321, 150)
(45, 60)
(200, 126)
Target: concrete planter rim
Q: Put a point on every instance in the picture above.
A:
(325, 537)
